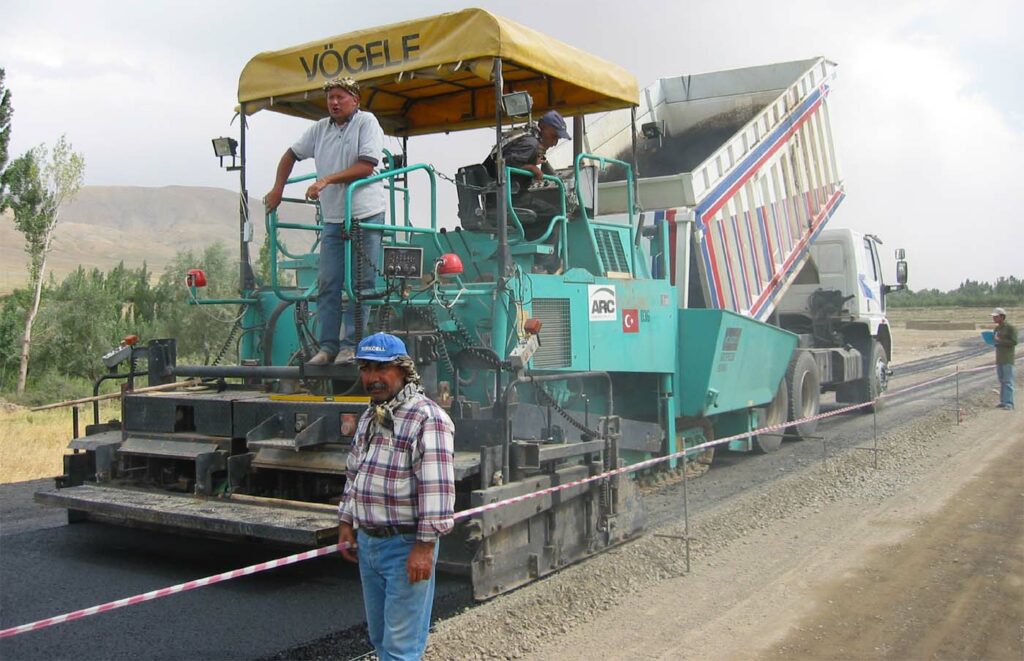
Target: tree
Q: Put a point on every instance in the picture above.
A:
(5, 127)
(40, 184)
(200, 330)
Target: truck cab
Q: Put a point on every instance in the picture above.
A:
(846, 262)
(836, 305)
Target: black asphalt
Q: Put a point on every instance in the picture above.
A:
(50, 568)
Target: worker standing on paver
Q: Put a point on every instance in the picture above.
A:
(1005, 339)
(346, 146)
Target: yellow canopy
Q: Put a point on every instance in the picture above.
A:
(435, 74)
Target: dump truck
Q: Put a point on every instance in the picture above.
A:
(658, 330)
(739, 166)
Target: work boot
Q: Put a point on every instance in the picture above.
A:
(321, 358)
(345, 356)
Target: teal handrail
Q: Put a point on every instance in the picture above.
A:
(391, 174)
(603, 161)
(393, 188)
(393, 228)
(561, 218)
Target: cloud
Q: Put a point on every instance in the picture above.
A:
(928, 157)
(926, 110)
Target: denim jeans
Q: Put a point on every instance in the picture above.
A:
(332, 283)
(397, 612)
(1005, 373)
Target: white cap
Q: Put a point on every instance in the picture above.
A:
(998, 312)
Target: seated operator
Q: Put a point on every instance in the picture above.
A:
(526, 151)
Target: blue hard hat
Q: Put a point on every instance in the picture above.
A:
(554, 119)
(381, 347)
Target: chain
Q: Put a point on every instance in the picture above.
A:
(550, 400)
(462, 184)
(428, 315)
(231, 336)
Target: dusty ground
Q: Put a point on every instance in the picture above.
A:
(934, 570)
(920, 558)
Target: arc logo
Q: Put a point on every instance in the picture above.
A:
(601, 301)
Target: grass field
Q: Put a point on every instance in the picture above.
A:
(32, 444)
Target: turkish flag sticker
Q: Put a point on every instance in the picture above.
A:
(630, 321)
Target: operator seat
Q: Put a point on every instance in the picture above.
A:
(477, 192)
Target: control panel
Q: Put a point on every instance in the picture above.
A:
(403, 262)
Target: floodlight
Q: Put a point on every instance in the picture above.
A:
(652, 130)
(516, 104)
(226, 147)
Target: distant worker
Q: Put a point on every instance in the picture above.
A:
(1005, 338)
(399, 498)
(346, 146)
(526, 151)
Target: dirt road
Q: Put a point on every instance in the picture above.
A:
(920, 558)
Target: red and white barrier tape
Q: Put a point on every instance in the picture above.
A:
(464, 514)
(164, 592)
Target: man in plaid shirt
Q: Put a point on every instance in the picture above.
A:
(399, 498)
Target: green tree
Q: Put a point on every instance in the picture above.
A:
(90, 312)
(12, 325)
(41, 183)
(200, 330)
(5, 126)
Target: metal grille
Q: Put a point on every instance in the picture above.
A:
(556, 334)
(609, 244)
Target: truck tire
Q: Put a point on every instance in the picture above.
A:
(775, 413)
(876, 377)
(804, 390)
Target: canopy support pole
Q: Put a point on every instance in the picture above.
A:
(499, 160)
(246, 278)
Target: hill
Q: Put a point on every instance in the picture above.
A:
(104, 225)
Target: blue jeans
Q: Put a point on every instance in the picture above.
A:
(1005, 373)
(397, 612)
(332, 283)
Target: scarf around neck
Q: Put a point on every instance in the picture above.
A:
(383, 413)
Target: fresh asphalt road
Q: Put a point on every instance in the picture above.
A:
(48, 568)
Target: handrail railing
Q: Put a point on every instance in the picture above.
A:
(389, 159)
(631, 213)
(561, 218)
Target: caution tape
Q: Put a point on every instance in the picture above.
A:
(166, 592)
(464, 514)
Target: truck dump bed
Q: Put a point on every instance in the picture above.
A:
(747, 156)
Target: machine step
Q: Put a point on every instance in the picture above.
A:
(206, 515)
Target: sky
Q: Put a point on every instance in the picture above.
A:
(927, 109)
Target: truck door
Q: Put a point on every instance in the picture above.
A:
(870, 279)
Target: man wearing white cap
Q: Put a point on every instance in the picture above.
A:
(1005, 337)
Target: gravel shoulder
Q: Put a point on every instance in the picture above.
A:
(920, 557)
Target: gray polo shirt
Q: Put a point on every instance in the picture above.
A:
(335, 148)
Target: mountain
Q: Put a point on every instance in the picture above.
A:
(104, 225)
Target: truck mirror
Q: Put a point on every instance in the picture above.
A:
(901, 272)
(901, 254)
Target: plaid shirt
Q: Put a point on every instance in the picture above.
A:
(403, 476)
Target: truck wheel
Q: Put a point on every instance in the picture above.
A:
(876, 377)
(775, 413)
(804, 395)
